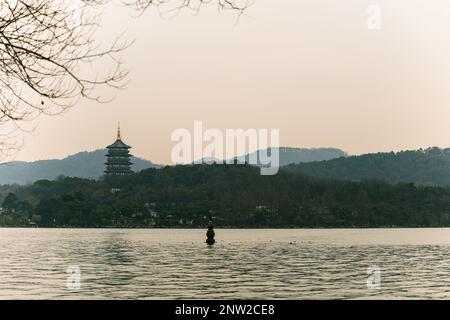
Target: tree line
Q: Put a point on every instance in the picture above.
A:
(234, 195)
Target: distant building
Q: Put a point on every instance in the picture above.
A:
(118, 158)
(115, 190)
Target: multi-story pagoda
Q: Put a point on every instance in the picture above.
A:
(118, 158)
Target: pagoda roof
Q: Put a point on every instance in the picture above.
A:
(118, 144)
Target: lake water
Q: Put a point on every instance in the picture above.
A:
(247, 264)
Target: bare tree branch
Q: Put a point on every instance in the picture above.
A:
(46, 46)
(173, 7)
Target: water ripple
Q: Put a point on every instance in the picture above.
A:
(244, 264)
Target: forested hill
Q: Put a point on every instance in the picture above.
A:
(235, 195)
(427, 167)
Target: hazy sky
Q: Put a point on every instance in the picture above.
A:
(308, 67)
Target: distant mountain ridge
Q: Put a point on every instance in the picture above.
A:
(424, 166)
(91, 164)
(290, 155)
(83, 165)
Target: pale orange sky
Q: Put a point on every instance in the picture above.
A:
(308, 67)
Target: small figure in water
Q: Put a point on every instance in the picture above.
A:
(210, 233)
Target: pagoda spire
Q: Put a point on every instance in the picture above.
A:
(118, 132)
